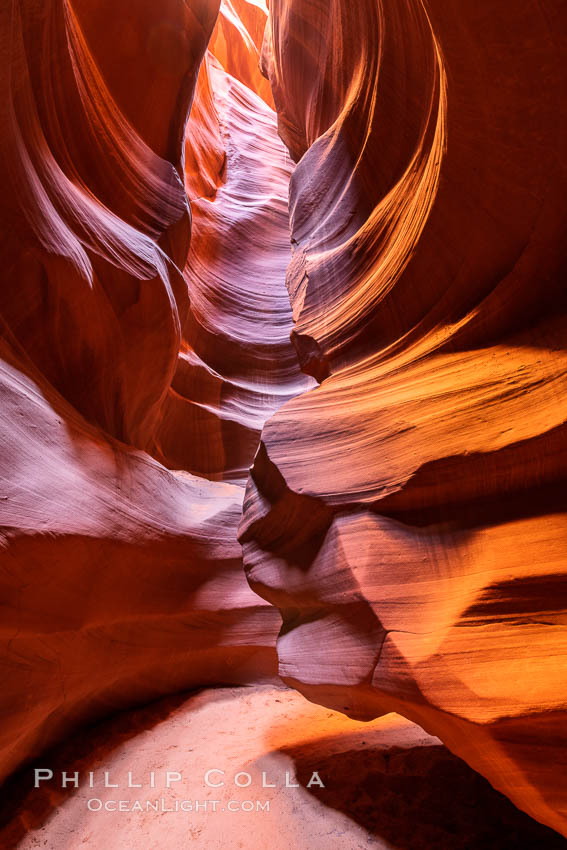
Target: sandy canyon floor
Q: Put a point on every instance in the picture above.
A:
(385, 784)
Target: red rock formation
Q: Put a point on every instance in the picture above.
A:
(407, 517)
(237, 42)
(236, 365)
(122, 578)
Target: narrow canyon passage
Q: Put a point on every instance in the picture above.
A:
(237, 365)
(283, 416)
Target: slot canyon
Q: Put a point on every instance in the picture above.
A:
(283, 424)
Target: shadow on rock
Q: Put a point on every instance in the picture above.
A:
(421, 798)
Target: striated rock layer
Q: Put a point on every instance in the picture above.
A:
(407, 516)
(134, 380)
(236, 364)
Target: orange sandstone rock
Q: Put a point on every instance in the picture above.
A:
(407, 517)
(121, 575)
(236, 364)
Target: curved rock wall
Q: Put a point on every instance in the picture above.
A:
(407, 516)
(237, 365)
(132, 398)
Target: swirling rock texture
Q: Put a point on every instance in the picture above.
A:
(237, 365)
(135, 381)
(407, 516)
